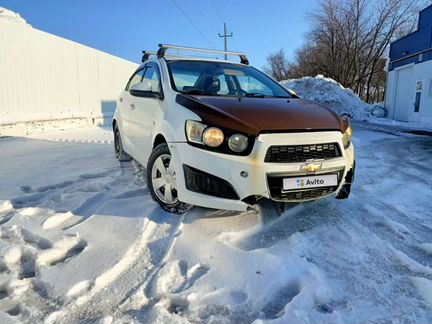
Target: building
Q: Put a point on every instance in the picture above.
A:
(409, 84)
(48, 82)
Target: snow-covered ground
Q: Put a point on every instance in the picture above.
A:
(81, 241)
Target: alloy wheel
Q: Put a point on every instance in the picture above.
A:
(164, 179)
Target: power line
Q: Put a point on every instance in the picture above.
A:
(217, 11)
(204, 15)
(193, 24)
(225, 35)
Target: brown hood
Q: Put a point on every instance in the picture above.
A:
(260, 115)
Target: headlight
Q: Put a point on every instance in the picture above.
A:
(194, 131)
(346, 138)
(213, 137)
(197, 132)
(238, 143)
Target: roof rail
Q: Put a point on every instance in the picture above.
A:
(146, 55)
(164, 47)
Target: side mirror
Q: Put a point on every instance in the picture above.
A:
(143, 89)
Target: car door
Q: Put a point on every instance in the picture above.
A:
(124, 107)
(143, 109)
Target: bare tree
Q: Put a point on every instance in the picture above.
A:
(278, 65)
(348, 41)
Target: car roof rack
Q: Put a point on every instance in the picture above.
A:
(164, 47)
(146, 55)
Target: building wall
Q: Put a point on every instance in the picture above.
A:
(402, 89)
(45, 77)
(411, 65)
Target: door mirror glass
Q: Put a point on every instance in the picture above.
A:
(143, 89)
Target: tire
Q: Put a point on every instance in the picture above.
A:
(161, 181)
(119, 152)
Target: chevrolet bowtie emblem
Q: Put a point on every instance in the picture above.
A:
(311, 167)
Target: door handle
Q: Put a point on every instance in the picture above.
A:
(132, 106)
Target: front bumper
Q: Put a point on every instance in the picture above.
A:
(261, 175)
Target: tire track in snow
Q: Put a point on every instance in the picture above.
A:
(104, 187)
(403, 243)
(25, 263)
(121, 283)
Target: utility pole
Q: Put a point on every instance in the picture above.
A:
(225, 36)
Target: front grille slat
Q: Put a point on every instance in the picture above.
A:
(301, 153)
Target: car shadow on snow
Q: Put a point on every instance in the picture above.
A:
(278, 221)
(267, 223)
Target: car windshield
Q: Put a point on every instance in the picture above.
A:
(223, 79)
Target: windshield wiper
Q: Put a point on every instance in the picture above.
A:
(199, 92)
(255, 94)
(261, 95)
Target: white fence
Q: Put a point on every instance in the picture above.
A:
(45, 78)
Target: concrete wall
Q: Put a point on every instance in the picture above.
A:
(45, 78)
(401, 93)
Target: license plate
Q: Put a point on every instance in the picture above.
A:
(310, 182)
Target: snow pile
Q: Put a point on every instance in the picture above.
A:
(334, 95)
(10, 15)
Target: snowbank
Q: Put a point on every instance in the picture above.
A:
(10, 15)
(334, 95)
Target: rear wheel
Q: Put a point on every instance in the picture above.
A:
(119, 152)
(162, 180)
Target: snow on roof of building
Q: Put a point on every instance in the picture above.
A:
(10, 15)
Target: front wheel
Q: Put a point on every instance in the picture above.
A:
(162, 180)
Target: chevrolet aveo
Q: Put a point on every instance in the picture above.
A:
(223, 135)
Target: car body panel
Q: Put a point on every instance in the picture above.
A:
(230, 167)
(253, 116)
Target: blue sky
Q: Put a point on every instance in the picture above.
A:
(124, 28)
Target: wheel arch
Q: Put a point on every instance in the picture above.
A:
(159, 139)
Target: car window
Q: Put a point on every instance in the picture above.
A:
(151, 76)
(222, 79)
(251, 85)
(223, 85)
(185, 79)
(136, 78)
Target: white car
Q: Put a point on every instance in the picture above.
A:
(223, 135)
